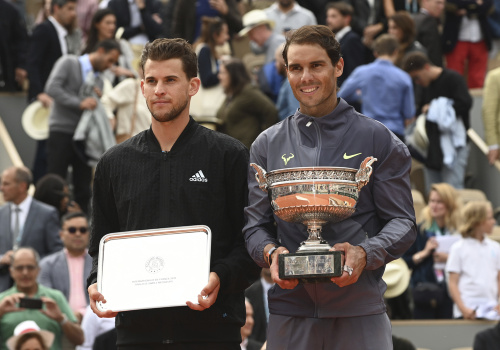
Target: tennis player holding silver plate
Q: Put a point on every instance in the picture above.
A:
(153, 263)
(313, 196)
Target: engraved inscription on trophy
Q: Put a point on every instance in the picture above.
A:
(313, 196)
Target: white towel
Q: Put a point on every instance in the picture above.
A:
(453, 133)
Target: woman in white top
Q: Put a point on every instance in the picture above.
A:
(126, 108)
(474, 265)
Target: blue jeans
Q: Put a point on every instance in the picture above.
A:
(453, 175)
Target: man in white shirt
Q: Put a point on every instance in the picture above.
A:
(24, 221)
(338, 19)
(48, 42)
(93, 326)
(288, 15)
(257, 296)
(466, 38)
(246, 342)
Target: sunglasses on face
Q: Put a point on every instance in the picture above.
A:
(72, 230)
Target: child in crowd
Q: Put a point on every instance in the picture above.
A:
(474, 265)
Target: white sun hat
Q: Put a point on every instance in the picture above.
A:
(35, 121)
(397, 277)
(254, 19)
(27, 327)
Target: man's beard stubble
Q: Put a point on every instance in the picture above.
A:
(171, 115)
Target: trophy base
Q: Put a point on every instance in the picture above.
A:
(310, 266)
(313, 246)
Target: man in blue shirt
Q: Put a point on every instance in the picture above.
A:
(384, 90)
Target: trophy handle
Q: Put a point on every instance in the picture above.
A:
(364, 172)
(260, 176)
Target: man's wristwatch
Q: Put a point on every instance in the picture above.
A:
(269, 254)
(64, 320)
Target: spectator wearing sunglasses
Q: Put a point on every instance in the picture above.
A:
(67, 269)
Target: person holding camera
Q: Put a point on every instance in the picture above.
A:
(29, 300)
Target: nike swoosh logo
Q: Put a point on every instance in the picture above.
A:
(351, 156)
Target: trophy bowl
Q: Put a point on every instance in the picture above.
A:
(314, 196)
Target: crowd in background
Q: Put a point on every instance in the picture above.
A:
(403, 60)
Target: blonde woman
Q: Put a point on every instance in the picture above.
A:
(426, 259)
(474, 265)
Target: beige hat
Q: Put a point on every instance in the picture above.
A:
(253, 19)
(27, 327)
(397, 277)
(35, 121)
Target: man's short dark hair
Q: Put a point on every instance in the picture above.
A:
(72, 215)
(108, 45)
(59, 3)
(385, 45)
(344, 8)
(314, 34)
(23, 175)
(166, 49)
(415, 61)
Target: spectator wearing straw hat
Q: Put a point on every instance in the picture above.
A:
(397, 277)
(259, 29)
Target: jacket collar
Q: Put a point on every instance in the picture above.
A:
(337, 113)
(183, 138)
(337, 121)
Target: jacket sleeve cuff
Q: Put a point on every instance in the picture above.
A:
(91, 280)
(370, 256)
(224, 275)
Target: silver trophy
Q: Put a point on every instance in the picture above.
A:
(313, 196)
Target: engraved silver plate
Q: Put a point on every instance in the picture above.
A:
(153, 268)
